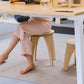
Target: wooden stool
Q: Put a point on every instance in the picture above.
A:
(50, 45)
(4, 16)
(70, 48)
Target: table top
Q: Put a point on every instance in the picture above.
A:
(34, 9)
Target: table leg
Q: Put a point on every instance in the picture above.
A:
(78, 24)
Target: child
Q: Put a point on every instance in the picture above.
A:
(34, 26)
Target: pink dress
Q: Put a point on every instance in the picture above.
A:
(35, 26)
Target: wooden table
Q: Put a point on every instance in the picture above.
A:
(21, 8)
(76, 14)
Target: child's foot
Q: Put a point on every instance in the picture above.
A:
(29, 67)
(3, 58)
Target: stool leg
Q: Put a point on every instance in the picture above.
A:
(68, 53)
(75, 57)
(49, 46)
(34, 47)
(35, 52)
(53, 47)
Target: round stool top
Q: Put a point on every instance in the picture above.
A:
(45, 34)
(71, 42)
(51, 32)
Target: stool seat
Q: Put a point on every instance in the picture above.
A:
(47, 33)
(48, 36)
(71, 42)
(50, 32)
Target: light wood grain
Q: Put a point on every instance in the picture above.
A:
(4, 16)
(49, 42)
(21, 8)
(82, 2)
(68, 54)
(76, 1)
(71, 42)
(69, 3)
(70, 48)
(75, 57)
(55, 3)
(34, 41)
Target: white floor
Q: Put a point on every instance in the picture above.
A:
(43, 74)
(7, 80)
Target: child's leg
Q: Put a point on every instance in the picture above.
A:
(26, 50)
(12, 44)
(30, 64)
